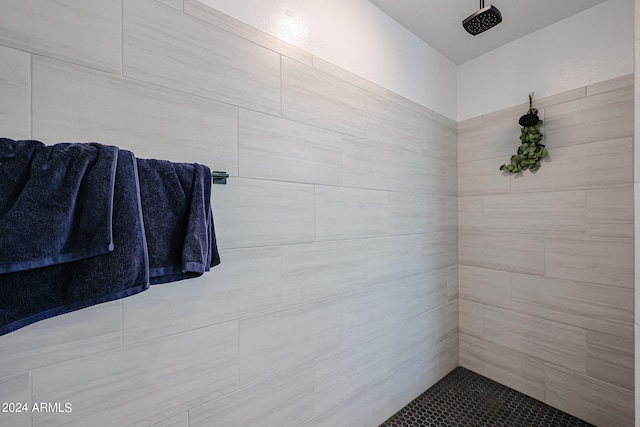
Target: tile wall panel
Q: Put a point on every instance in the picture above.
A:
(67, 337)
(595, 261)
(546, 213)
(16, 389)
(470, 213)
(168, 48)
(391, 124)
(600, 117)
(192, 368)
(439, 140)
(259, 213)
(610, 212)
(483, 177)
(392, 258)
(87, 33)
(490, 287)
(283, 400)
(283, 150)
(313, 97)
(595, 401)
(348, 213)
(557, 343)
(599, 308)
(502, 251)
(610, 359)
(76, 104)
(410, 213)
(199, 9)
(181, 420)
(246, 282)
(273, 342)
(593, 165)
(14, 91)
(318, 270)
(372, 165)
(495, 139)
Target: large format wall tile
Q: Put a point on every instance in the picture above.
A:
(259, 213)
(200, 10)
(348, 370)
(500, 251)
(495, 139)
(600, 308)
(181, 420)
(171, 49)
(15, 390)
(75, 104)
(514, 369)
(369, 311)
(285, 400)
(611, 359)
(610, 212)
(536, 213)
(439, 140)
(411, 213)
(470, 213)
(390, 123)
(372, 165)
(485, 286)
(318, 270)
(348, 213)
(595, 261)
(246, 282)
(313, 97)
(595, 118)
(471, 318)
(14, 92)
(62, 338)
(554, 342)
(392, 258)
(440, 249)
(483, 177)
(273, 342)
(88, 33)
(592, 400)
(424, 173)
(585, 166)
(424, 292)
(279, 149)
(165, 377)
(351, 412)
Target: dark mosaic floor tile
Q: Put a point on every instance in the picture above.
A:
(466, 399)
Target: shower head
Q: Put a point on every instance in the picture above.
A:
(482, 20)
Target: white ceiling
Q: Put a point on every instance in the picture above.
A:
(439, 22)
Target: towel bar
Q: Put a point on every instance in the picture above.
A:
(218, 177)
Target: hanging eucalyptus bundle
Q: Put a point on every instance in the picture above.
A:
(531, 152)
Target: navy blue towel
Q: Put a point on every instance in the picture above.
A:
(176, 206)
(32, 295)
(55, 202)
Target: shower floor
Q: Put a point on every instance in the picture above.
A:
(464, 398)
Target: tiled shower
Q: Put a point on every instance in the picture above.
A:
(369, 245)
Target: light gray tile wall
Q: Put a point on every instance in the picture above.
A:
(546, 259)
(338, 227)
(636, 198)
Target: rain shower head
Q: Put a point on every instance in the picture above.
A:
(482, 20)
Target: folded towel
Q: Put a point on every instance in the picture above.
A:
(32, 295)
(176, 205)
(55, 202)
